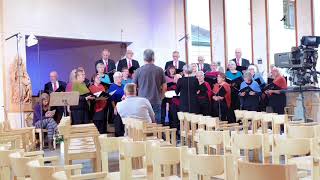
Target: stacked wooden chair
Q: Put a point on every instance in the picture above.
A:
(80, 142)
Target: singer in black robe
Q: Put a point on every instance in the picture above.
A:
(204, 94)
(221, 100)
(188, 87)
(249, 93)
(276, 95)
(80, 113)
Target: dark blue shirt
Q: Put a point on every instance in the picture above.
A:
(117, 96)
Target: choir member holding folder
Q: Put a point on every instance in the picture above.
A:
(80, 113)
(249, 93)
(234, 78)
(275, 92)
(99, 111)
(204, 94)
(221, 100)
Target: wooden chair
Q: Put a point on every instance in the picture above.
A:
(108, 145)
(62, 175)
(182, 120)
(168, 157)
(81, 142)
(187, 128)
(18, 162)
(315, 153)
(27, 136)
(185, 154)
(277, 121)
(257, 171)
(300, 131)
(5, 171)
(299, 148)
(209, 140)
(248, 142)
(209, 166)
(38, 170)
(130, 150)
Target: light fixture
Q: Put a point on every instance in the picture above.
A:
(32, 40)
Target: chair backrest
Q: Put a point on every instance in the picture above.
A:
(185, 155)
(130, 149)
(208, 139)
(257, 171)
(279, 119)
(62, 175)
(108, 145)
(206, 166)
(300, 131)
(249, 142)
(5, 171)
(19, 163)
(289, 147)
(38, 171)
(167, 157)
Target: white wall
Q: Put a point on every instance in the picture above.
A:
(1, 64)
(238, 28)
(259, 34)
(217, 29)
(304, 18)
(316, 5)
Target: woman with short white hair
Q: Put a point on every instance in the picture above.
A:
(250, 93)
(256, 76)
(117, 91)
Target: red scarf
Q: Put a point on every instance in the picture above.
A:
(281, 82)
(226, 86)
(100, 104)
(209, 92)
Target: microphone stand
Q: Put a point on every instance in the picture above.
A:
(18, 36)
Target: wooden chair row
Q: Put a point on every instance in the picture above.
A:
(140, 130)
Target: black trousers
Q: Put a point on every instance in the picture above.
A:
(163, 110)
(118, 126)
(100, 124)
(79, 116)
(204, 105)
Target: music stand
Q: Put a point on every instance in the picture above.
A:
(64, 99)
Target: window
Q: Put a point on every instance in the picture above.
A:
(199, 30)
(288, 14)
(238, 27)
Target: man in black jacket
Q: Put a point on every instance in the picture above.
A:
(109, 64)
(175, 62)
(128, 62)
(204, 67)
(55, 86)
(242, 64)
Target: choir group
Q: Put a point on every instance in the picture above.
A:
(197, 88)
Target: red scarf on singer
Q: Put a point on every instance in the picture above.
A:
(100, 104)
(226, 86)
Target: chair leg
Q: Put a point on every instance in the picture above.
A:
(41, 141)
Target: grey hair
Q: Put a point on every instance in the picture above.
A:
(148, 55)
(252, 67)
(247, 74)
(187, 69)
(117, 74)
(231, 63)
(200, 72)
